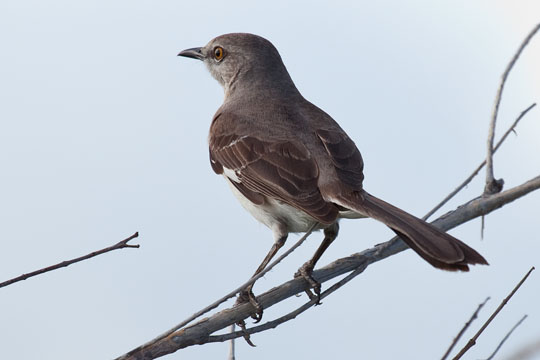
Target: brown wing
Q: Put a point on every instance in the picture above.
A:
(282, 170)
(345, 157)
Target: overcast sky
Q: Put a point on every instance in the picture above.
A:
(103, 133)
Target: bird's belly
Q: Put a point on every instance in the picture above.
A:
(275, 213)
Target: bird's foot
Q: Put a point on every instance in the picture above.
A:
(305, 271)
(248, 296)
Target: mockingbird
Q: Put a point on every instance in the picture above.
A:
(292, 166)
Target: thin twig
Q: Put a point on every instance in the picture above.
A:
(506, 337)
(472, 341)
(226, 297)
(492, 185)
(120, 245)
(465, 327)
(231, 345)
(477, 170)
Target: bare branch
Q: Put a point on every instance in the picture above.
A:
(120, 245)
(465, 327)
(506, 337)
(231, 345)
(472, 341)
(492, 185)
(477, 170)
(200, 332)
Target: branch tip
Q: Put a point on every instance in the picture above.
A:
(491, 133)
(119, 245)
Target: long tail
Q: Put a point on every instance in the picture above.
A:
(435, 246)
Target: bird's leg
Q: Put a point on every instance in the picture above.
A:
(305, 271)
(247, 294)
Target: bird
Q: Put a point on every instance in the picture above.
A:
(292, 166)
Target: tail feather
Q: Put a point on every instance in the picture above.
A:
(440, 249)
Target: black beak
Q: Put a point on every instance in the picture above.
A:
(194, 53)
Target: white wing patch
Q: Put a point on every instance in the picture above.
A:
(231, 174)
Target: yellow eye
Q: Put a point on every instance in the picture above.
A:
(219, 53)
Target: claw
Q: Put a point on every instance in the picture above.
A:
(305, 271)
(248, 296)
(257, 316)
(242, 325)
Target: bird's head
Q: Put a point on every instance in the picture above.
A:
(241, 58)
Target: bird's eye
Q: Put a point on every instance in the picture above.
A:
(219, 53)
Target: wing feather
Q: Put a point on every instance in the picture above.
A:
(345, 157)
(282, 170)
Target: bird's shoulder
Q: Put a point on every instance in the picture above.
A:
(335, 145)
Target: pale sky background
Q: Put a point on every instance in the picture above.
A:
(103, 133)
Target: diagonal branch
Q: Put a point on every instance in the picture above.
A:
(472, 341)
(119, 245)
(492, 185)
(200, 332)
